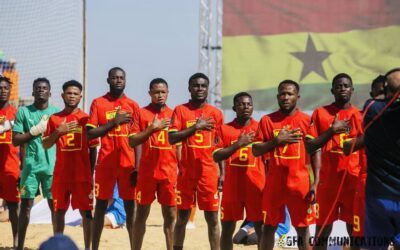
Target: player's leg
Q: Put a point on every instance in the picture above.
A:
(208, 201)
(169, 215)
(303, 234)
(139, 226)
(105, 179)
(13, 216)
(213, 228)
(145, 190)
(127, 193)
(9, 192)
(258, 229)
(185, 199)
(322, 241)
(23, 221)
(273, 206)
(180, 228)
(50, 203)
(46, 182)
(167, 198)
(82, 199)
(268, 237)
(228, 228)
(98, 221)
(59, 221)
(323, 227)
(28, 188)
(86, 224)
(130, 211)
(230, 212)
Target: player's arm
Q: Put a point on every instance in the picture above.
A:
(22, 149)
(63, 129)
(120, 118)
(18, 139)
(156, 125)
(201, 124)
(221, 177)
(224, 153)
(284, 137)
(348, 147)
(92, 158)
(315, 166)
(138, 156)
(338, 126)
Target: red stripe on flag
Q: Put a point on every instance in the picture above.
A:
(264, 17)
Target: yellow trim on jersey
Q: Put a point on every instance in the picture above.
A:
(132, 134)
(172, 130)
(215, 150)
(310, 137)
(90, 125)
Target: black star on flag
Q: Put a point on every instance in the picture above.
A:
(311, 59)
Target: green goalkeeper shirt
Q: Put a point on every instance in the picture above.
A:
(37, 159)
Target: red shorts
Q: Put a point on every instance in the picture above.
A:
(344, 206)
(9, 187)
(301, 212)
(81, 192)
(147, 188)
(105, 179)
(233, 204)
(359, 210)
(204, 190)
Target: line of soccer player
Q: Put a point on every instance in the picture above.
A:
(181, 157)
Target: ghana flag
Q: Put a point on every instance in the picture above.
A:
(309, 41)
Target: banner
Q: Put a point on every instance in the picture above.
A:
(308, 41)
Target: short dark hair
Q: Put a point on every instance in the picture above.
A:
(240, 94)
(115, 69)
(5, 79)
(341, 75)
(291, 82)
(198, 75)
(157, 80)
(378, 79)
(391, 71)
(41, 79)
(72, 83)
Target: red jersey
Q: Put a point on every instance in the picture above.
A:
(198, 148)
(287, 163)
(72, 157)
(9, 161)
(332, 158)
(103, 110)
(158, 156)
(243, 170)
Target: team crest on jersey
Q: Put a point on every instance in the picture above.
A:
(22, 190)
(216, 196)
(91, 195)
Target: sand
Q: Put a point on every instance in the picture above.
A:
(196, 239)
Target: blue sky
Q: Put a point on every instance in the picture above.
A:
(149, 39)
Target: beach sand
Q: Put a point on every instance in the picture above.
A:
(196, 239)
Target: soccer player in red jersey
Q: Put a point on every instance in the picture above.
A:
(359, 197)
(330, 127)
(157, 171)
(111, 119)
(195, 124)
(67, 129)
(9, 162)
(244, 174)
(281, 135)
